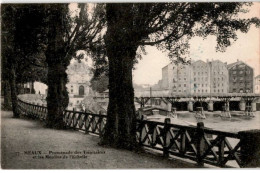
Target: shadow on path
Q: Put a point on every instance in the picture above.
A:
(26, 144)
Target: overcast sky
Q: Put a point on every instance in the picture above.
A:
(246, 48)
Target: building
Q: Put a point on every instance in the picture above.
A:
(78, 86)
(176, 78)
(79, 75)
(201, 77)
(257, 84)
(241, 78)
(218, 77)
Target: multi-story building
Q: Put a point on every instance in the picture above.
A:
(201, 77)
(79, 75)
(257, 84)
(177, 78)
(218, 77)
(241, 78)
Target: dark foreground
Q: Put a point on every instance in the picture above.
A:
(26, 144)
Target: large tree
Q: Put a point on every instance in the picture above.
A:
(67, 35)
(20, 46)
(169, 26)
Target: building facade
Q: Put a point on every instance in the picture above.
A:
(176, 78)
(198, 77)
(201, 77)
(257, 84)
(241, 78)
(218, 77)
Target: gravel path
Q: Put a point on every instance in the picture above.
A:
(26, 144)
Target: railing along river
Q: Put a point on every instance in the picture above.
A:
(199, 144)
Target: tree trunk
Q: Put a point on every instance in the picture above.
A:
(120, 130)
(7, 96)
(12, 83)
(121, 119)
(57, 98)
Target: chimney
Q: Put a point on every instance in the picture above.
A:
(237, 60)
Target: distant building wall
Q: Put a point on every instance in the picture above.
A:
(257, 84)
(201, 77)
(241, 78)
(219, 77)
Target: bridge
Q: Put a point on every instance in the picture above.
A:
(239, 101)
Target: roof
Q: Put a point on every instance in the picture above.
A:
(236, 63)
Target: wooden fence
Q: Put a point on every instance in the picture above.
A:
(199, 144)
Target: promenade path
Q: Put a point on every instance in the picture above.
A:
(20, 136)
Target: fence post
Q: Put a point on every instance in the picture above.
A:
(250, 148)
(166, 128)
(200, 143)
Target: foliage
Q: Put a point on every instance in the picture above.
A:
(99, 84)
(169, 27)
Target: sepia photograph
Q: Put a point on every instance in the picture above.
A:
(130, 85)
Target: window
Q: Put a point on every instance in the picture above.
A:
(198, 73)
(234, 72)
(206, 85)
(241, 78)
(184, 90)
(195, 85)
(179, 90)
(179, 85)
(71, 91)
(202, 85)
(222, 84)
(218, 91)
(222, 90)
(222, 78)
(198, 91)
(179, 78)
(214, 91)
(218, 85)
(234, 90)
(194, 73)
(240, 72)
(184, 85)
(202, 91)
(206, 91)
(201, 72)
(184, 78)
(173, 80)
(194, 79)
(71, 86)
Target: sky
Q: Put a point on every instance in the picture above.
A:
(246, 48)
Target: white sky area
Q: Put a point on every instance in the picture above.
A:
(246, 48)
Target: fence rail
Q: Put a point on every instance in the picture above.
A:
(199, 144)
